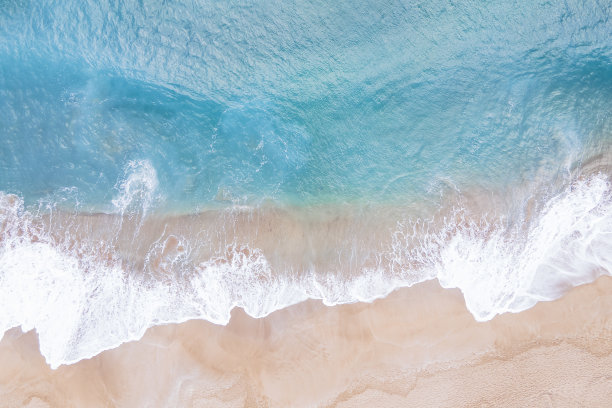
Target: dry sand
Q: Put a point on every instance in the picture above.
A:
(417, 347)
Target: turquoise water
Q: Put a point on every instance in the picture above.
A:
(317, 133)
(301, 103)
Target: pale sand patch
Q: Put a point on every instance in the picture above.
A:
(417, 347)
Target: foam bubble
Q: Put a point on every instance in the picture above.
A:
(508, 268)
(137, 190)
(242, 277)
(84, 296)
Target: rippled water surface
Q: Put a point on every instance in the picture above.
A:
(173, 160)
(298, 103)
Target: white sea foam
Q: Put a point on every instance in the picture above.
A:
(83, 298)
(501, 268)
(137, 190)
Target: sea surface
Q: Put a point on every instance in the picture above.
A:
(165, 161)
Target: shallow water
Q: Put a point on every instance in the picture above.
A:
(173, 161)
(298, 102)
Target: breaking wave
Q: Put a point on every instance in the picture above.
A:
(84, 294)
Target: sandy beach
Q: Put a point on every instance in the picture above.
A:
(305, 204)
(417, 347)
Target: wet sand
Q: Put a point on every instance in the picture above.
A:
(417, 347)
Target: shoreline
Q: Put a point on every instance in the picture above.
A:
(291, 204)
(127, 275)
(404, 349)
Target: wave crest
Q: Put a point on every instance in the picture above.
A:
(86, 293)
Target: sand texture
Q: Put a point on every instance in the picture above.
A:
(417, 347)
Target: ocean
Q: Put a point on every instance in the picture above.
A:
(167, 161)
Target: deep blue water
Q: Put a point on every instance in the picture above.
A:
(298, 102)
